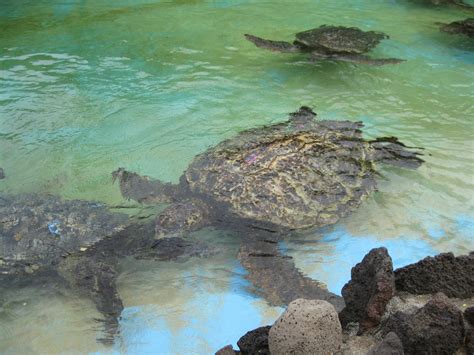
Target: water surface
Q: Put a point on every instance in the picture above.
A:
(88, 86)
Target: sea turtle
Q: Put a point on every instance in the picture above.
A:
(267, 182)
(465, 27)
(78, 242)
(330, 43)
(459, 3)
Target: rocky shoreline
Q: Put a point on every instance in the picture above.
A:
(423, 308)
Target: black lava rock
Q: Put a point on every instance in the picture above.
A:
(255, 342)
(453, 276)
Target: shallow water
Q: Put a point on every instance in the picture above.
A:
(87, 86)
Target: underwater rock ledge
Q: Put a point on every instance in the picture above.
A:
(425, 307)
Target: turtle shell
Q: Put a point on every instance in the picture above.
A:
(338, 39)
(36, 230)
(293, 174)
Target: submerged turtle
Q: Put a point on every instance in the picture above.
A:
(464, 27)
(459, 3)
(269, 181)
(331, 43)
(77, 242)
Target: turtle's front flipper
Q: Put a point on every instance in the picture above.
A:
(276, 46)
(389, 150)
(143, 189)
(95, 278)
(276, 276)
(354, 58)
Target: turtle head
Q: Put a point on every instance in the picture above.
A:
(303, 116)
(118, 174)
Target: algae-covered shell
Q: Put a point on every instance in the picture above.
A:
(294, 174)
(340, 39)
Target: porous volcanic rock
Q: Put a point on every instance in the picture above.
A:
(306, 327)
(437, 328)
(453, 276)
(255, 341)
(390, 345)
(370, 289)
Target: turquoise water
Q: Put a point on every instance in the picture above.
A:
(88, 86)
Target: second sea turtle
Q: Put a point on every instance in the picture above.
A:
(339, 43)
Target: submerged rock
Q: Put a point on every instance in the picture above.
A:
(2, 174)
(454, 276)
(437, 328)
(370, 289)
(390, 345)
(306, 327)
(255, 341)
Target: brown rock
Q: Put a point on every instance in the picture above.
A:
(390, 345)
(306, 327)
(370, 289)
(437, 328)
(226, 350)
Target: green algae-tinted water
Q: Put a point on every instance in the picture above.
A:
(88, 86)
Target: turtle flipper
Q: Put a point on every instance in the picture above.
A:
(276, 46)
(143, 189)
(95, 278)
(276, 277)
(389, 150)
(354, 58)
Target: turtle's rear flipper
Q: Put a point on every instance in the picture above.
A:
(143, 189)
(389, 150)
(276, 277)
(276, 46)
(95, 278)
(355, 58)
